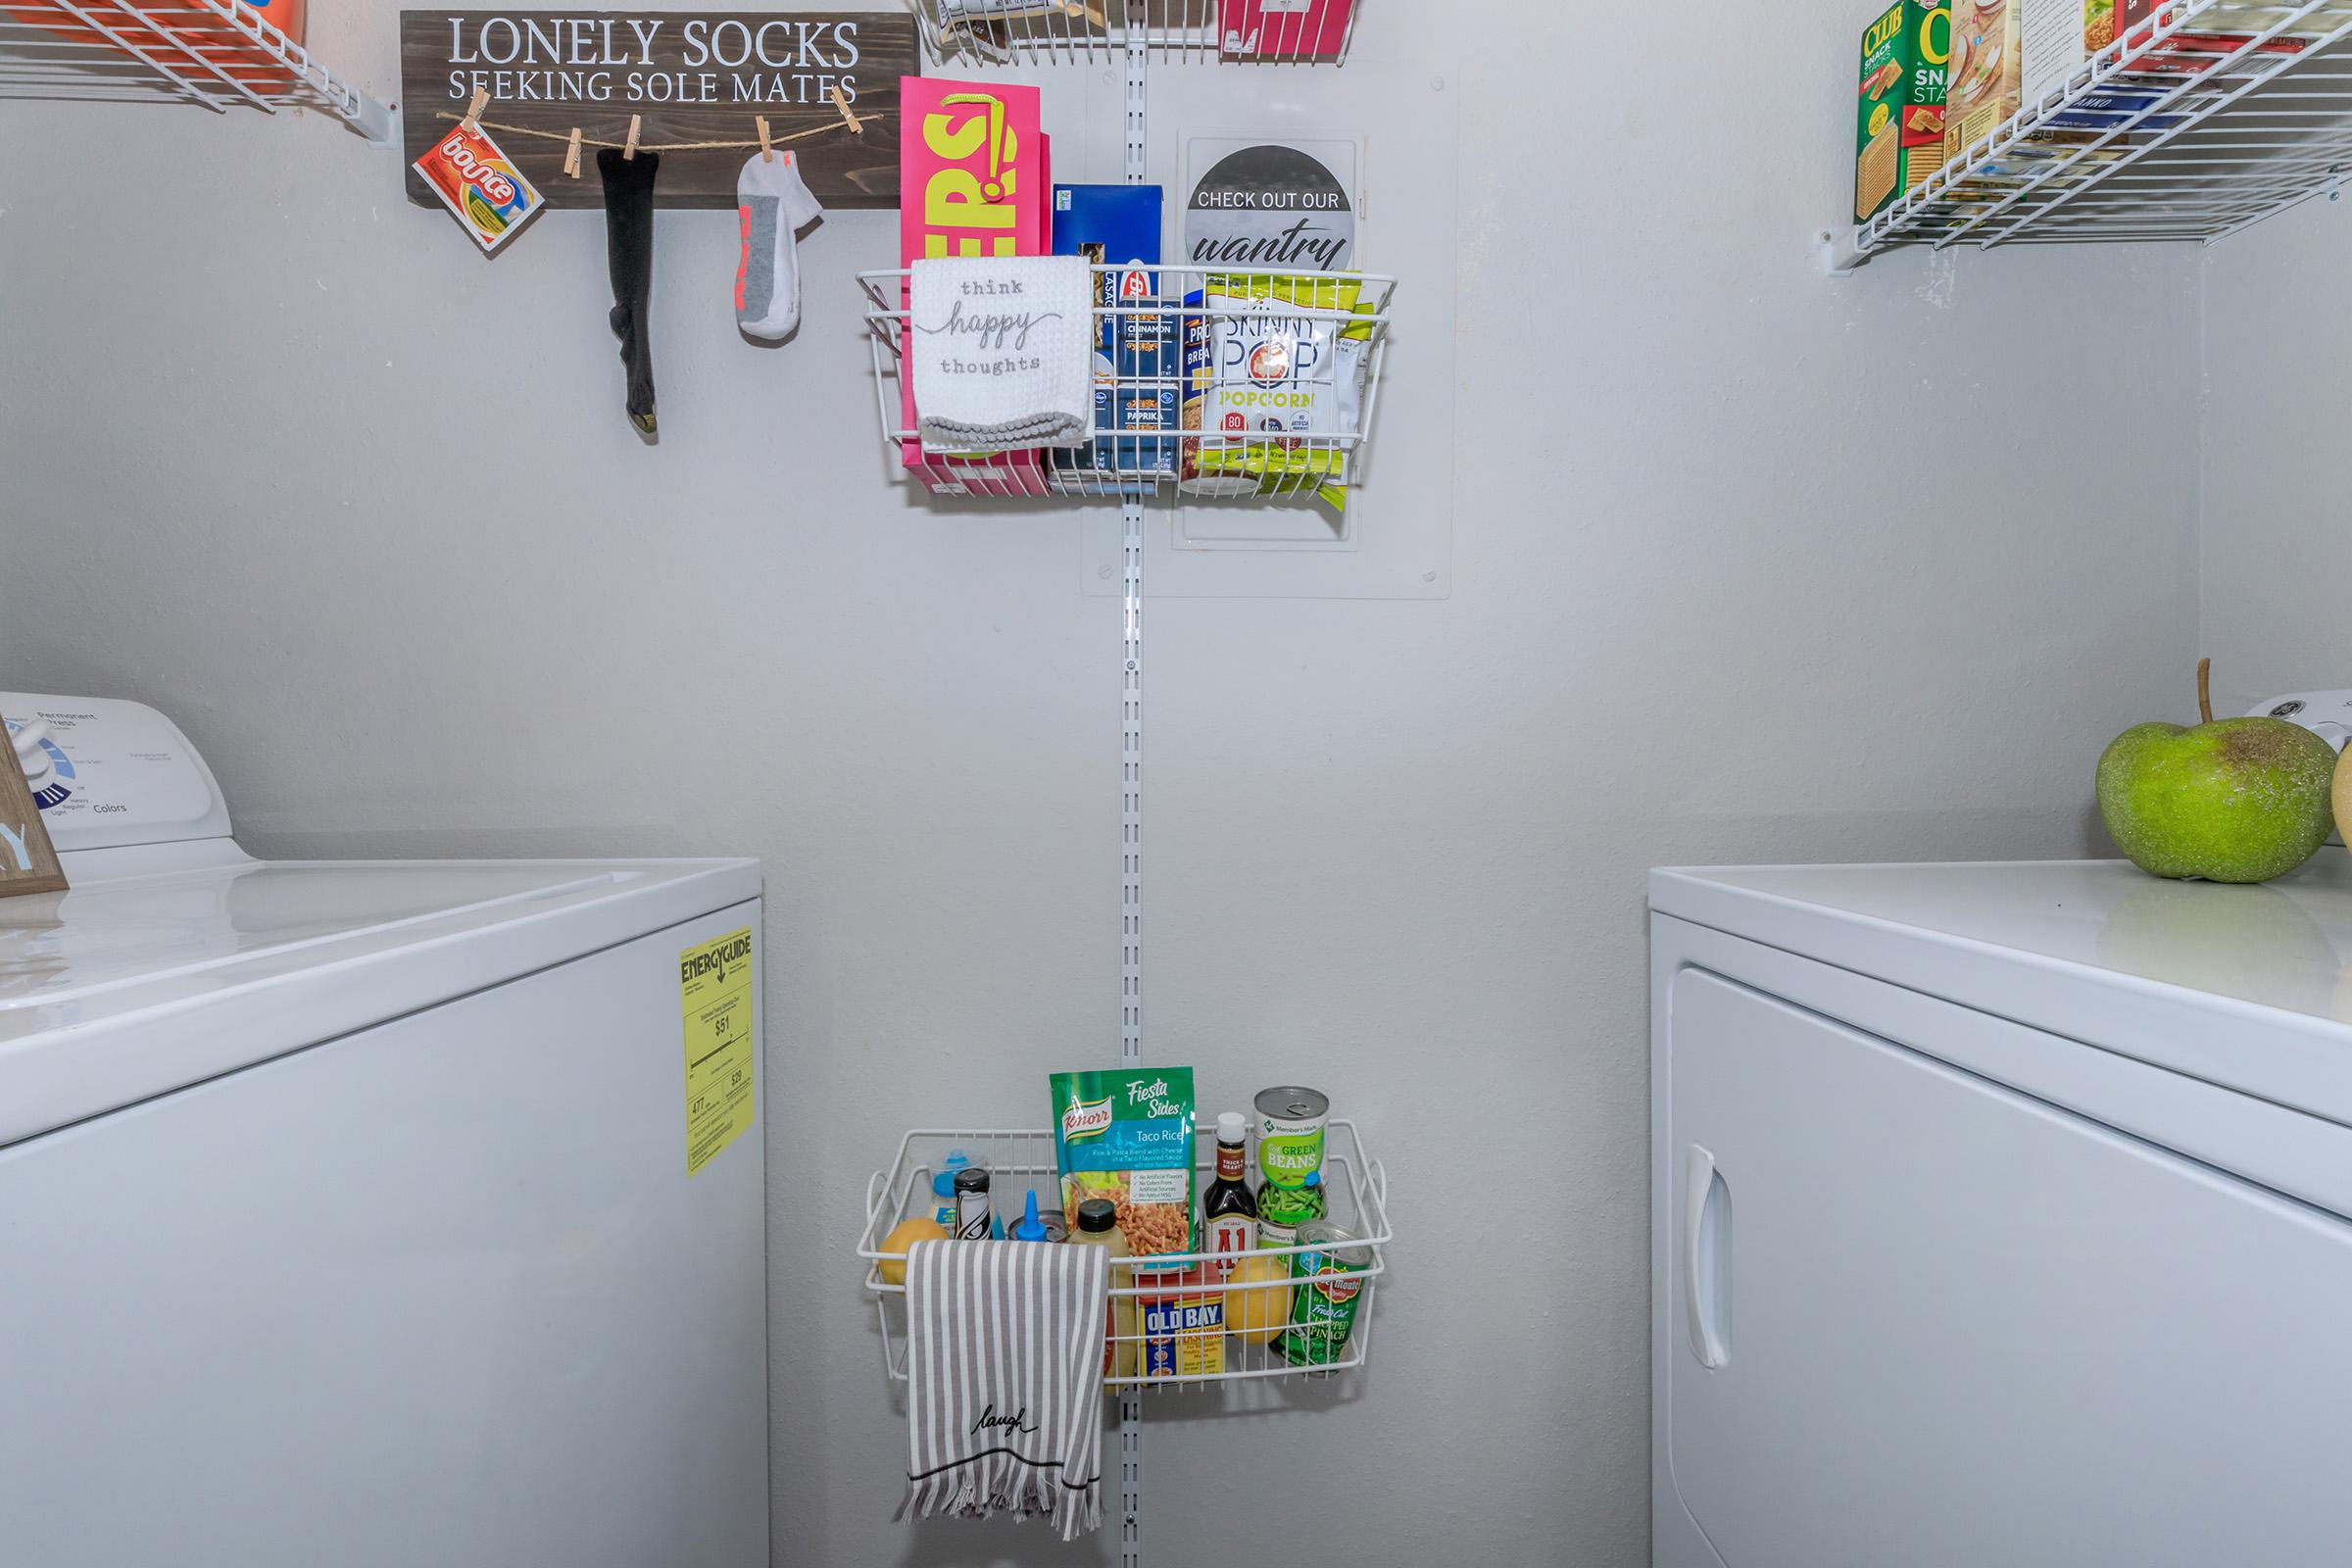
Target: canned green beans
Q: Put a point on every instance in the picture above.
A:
(1290, 1152)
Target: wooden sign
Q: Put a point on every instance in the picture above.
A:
(688, 77)
(28, 863)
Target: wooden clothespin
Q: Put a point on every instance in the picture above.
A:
(473, 110)
(768, 154)
(849, 115)
(571, 154)
(636, 122)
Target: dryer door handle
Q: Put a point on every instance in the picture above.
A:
(1706, 1258)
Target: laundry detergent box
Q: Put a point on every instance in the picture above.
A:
(1119, 228)
(972, 182)
(1899, 136)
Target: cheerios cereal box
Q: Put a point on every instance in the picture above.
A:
(1899, 136)
(1127, 1135)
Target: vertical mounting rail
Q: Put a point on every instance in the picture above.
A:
(1131, 811)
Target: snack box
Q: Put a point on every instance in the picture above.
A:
(1282, 30)
(1898, 140)
(2184, 54)
(2005, 54)
(1135, 358)
(973, 180)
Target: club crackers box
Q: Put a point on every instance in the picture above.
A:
(1898, 140)
(973, 180)
(1135, 354)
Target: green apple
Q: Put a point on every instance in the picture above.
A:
(2231, 800)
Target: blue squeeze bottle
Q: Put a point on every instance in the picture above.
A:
(943, 1188)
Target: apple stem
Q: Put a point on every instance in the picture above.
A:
(2204, 691)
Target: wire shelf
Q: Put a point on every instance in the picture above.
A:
(1321, 449)
(1255, 31)
(216, 53)
(2226, 113)
(1023, 1160)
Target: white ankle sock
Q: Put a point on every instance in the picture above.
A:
(771, 204)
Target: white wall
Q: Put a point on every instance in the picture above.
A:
(2278, 377)
(285, 457)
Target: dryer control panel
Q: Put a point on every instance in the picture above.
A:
(108, 772)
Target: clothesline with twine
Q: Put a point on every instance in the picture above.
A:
(473, 118)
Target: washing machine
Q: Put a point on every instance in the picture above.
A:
(2001, 1215)
(369, 1212)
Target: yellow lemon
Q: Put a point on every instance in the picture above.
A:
(1258, 1313)
(921, 1228)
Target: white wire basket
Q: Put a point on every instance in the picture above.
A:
(1018, 1162)
(2226, 113)
(999, 31)
(1188, 411)
(215, 52)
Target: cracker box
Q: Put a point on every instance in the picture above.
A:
(972, 182)
(2004, 55)
(1899, 136)
(2184, 54)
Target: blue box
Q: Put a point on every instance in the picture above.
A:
(1136, 367)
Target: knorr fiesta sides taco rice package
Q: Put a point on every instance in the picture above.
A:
(1127, 1135)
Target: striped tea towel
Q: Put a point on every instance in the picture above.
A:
(1003, 350)
(1004, 1381)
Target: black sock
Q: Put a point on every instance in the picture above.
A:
(629, 254)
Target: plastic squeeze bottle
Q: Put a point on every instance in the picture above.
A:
(1099, 1226)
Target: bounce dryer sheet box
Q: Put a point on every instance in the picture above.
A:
(972, 182)
(479, 184)
(1899, 138)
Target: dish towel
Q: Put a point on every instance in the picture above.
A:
(1003, 351)
(1004, 1381)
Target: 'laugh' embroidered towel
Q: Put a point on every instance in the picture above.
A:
(1004, 1381)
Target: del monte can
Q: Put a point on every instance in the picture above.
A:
(1290, 1152)
(1328, 1277)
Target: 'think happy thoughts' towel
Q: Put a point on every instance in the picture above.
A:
(1004, 1381)
(1003, 352)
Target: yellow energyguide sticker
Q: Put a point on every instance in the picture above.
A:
(715, 994)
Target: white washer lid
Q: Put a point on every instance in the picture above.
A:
(2246, 987)
(128, 987)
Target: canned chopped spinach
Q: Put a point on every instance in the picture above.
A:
(1328, 1281)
